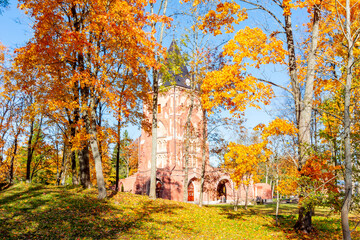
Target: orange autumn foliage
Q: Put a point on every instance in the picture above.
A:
(283, 165)
(84, 56)
(320, 171)
(289, 176)
(233, 87)
(277, 127)
(242, 162)
(226, 14)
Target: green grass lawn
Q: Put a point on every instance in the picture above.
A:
(46, 212)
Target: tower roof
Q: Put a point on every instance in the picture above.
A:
(180, 77)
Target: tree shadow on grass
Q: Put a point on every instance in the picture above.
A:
(54, 214)
(325, 227)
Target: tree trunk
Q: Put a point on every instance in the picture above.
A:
(63, 181)
(29, 152)
(295, 86)
(73, 151)
(152, 193)
(347, 124)
(246, 195)
(187, 143)
(304, 222)
(83, 153)
(127, 165)
(95, 149)
(73, 168)
(11, 170)
(62, 169)
(203, 164)
(237, 197)
(277, 202)
(266, 173)
(84, 163)
(306, 108)
(99, 122)
(117, 166)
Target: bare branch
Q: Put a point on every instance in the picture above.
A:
(266, 10)
(276, 85)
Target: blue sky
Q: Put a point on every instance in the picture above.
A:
(16, 29)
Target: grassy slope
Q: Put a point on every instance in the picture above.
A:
(45, 212)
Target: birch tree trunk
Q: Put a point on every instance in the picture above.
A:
(277, 200)
(347, 124)
(152, 193)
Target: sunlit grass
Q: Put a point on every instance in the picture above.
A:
(45, 212)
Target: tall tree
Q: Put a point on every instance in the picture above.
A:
(80, 50)
(154, 109)
(351, 32)
(254, 45)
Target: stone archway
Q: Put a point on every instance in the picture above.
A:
(222, 190)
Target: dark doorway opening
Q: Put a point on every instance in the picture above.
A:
(221, 190)
(191, 192)
(158, 189)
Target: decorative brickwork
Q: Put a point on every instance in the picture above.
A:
(173, 107)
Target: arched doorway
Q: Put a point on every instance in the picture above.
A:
(158, 189)
(221, 190)
(191, 192)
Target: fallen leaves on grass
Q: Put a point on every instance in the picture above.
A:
(46, 212)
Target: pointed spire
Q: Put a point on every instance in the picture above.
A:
(181, 78)
(174, 47)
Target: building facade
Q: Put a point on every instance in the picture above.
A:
(173, 110)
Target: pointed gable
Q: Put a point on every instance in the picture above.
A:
(183, 74)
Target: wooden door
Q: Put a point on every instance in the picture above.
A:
(191, 192)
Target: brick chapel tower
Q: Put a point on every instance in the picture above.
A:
(173, 110)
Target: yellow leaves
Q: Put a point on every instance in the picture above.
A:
(231, 89)
(226, 14)
(243, 160)
(108, 49)
(277, 127)
(233, 86)
(253, 44)
(287, 5)
(2, 53)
